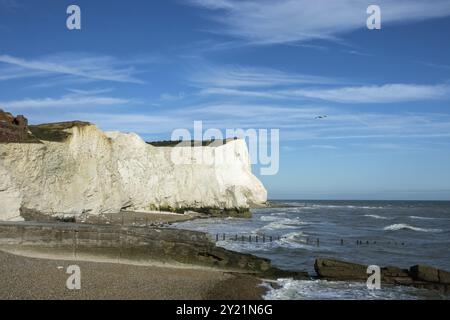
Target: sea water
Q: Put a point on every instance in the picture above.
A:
(384, 233)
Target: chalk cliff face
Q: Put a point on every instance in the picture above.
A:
(75, 168)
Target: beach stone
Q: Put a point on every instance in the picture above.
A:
(424, 273)
(444, 277)
(340, 270)
(389, 272)
(418, 276)
(275, 273)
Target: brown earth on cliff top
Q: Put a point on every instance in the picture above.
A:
(16, 130)
(13, 129)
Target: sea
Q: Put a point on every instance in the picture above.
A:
(292, 234)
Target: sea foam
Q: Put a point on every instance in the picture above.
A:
(375, 216)
(403, 226)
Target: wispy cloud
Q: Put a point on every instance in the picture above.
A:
(267, 83)
(323, 146)
(296, 124)
(10, 4)
(285, 21)
(75, 99)
(91, 67)
(246, 77)
(388, 93)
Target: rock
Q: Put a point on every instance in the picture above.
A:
(444, 277)
(274, 273)
(417, 276)
(6, 117)
(424, 273)
(21, 121)
(340, 270)
(142, 245)
(12, 129)
(77, 169)
(429, 274)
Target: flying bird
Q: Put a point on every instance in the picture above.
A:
(321, 117)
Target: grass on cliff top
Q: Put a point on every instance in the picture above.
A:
(55, 132)
(191, 143)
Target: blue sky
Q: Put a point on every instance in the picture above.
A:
(154, 66)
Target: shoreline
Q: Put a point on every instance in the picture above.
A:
(213, 282)
(31, 278)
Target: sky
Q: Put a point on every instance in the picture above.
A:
(151, 67)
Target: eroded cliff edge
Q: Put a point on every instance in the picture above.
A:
(75, 168)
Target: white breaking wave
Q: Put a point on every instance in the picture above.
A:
(281, 223)
(375, 216)
(295, 240)
(403, 226)
(422, 218)
(330, 206)
(325, 290)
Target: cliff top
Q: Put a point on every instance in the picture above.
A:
(191, 143)
(16, 130)
(55, 132)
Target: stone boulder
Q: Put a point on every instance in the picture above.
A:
(340, 270)
(417, 276)
(429, 274)
(13, 129)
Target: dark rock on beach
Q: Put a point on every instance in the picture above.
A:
(339, 270)
(429, 274)
(417, 276)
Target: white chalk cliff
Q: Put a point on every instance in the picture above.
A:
(101, 172)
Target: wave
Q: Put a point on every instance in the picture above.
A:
(294, 240)
(329, 206)
(422, 218)
(289, 289)
(375, 216)
(281, 223)
(403, 226)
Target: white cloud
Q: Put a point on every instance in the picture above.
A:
(284, 21)
(246, 77)
(297, 123)
(388, 93)
(323, 146)
(100, 68)
(241, 93)
(76, 99)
